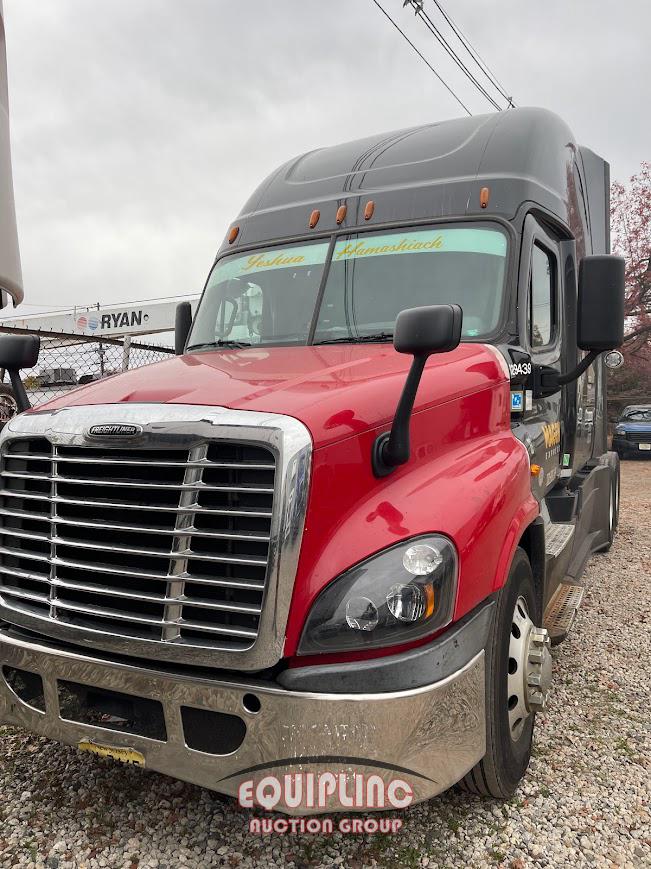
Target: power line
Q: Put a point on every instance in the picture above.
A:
(427, 21)
(474, 54)
(424, 59)
(36, 305)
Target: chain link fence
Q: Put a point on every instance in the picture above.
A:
(68, 361)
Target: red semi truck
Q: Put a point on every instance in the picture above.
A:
(336, 533)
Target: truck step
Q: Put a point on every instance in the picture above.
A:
(562, 609)
(557, 536)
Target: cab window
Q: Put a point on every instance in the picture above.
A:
(542, 293)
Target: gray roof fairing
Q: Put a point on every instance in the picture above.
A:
(431, 171)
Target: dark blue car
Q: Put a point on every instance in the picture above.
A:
(632, 435)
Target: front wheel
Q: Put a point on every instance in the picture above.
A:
(8, 406)
(518, 676)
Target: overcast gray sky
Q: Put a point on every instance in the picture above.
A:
(139, 127)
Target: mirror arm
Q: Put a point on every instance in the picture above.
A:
(22, 401)
(583, 365)
(393, 448)
(548, 381)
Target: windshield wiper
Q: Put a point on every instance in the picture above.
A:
(232, 345)
(358, 339)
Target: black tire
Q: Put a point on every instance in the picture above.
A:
(8, 406)
(501, 769)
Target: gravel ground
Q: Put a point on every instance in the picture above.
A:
(584, 802)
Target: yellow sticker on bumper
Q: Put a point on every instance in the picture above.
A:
(123, 755)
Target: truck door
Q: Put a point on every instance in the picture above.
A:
(585, 415)
(540, 323)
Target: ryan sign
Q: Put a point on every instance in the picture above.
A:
(136, 319)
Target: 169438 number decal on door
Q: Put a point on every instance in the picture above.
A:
(518, 369)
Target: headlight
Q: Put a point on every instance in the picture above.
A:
(401, 594)
(620, 430)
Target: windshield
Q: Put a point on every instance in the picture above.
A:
(266, 296)
(271, 295)
(640, 415)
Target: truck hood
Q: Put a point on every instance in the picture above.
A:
(631, 426)
(335, 390)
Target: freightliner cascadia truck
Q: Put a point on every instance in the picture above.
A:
(336, 534)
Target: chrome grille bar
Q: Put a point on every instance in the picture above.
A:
(118, 615)
(107, 526)
(20, 553)
(117, 594)
(182, 541)
(53, 545)
(46, 478)
(111, 571)
(178, 554)
(263, 514)
(142, 464)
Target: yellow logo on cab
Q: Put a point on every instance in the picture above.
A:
(552, 434)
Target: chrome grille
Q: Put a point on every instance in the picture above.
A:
(639, 437)
(165, 545)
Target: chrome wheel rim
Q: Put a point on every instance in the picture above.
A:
(614, 502)
(8, 408)
(529, 669)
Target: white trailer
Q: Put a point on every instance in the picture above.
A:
(11, 284)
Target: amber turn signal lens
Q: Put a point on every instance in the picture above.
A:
(232, 235)
(341, 214)
(368, 211)
(314, 218)
(536, 470)
(429, 600)
(484, 196)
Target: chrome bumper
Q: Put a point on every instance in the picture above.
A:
(429, 737)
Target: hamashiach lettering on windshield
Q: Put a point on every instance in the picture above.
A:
(403, 246)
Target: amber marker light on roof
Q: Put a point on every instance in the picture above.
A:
(314, 218)
(232, 235)
(484, 196)
(341, 214)
(368, 211)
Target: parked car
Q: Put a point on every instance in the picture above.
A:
(633, 431)
(90, 378)
(57, 377)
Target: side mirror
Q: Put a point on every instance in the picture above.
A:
(423, 331)
(419, 332)
(18, 352)
(600, 319)
(600, 315)
(182, 326)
